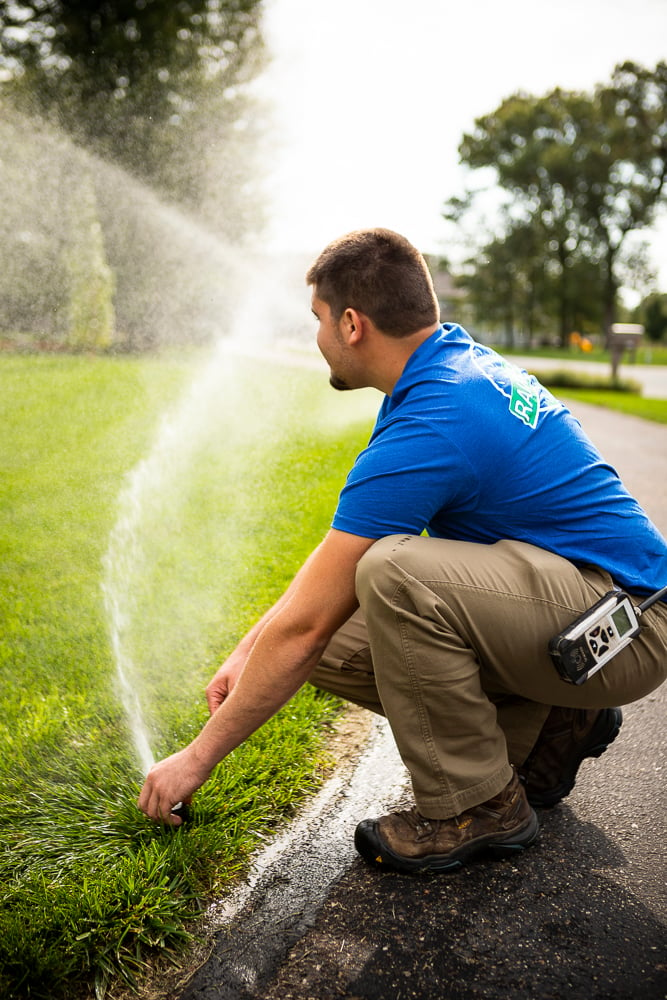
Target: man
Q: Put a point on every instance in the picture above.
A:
(446, 634)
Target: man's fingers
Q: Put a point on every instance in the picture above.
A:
(159, 812)
(156, 807)
(214, 699)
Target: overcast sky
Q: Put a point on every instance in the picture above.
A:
(372, 98)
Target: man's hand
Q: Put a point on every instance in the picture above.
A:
(171, 781)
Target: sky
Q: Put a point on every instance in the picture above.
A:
(372, 97)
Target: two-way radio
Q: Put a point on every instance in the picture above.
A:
(599, 634)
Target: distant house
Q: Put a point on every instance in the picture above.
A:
(450, 296)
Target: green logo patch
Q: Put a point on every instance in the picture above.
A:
(525, 403)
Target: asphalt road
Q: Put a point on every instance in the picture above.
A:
(582, 915)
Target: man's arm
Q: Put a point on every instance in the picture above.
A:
(283, 654)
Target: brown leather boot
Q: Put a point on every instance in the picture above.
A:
(568, 736)
(409, 842)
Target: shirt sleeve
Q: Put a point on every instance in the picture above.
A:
(409, 472)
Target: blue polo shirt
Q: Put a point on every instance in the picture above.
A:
(470, 447)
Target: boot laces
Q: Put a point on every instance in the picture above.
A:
(422, 825)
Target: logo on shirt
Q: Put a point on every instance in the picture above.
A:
(524, 401)
(517, 386)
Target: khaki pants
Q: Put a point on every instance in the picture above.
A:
(450, 643)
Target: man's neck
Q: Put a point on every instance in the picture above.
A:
(394, 354)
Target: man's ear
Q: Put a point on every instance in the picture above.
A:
(353, 324)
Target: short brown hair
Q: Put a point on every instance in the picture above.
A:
(382, 275)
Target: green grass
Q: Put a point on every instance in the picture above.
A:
(90, 889)
(622, 395)
(633, 405)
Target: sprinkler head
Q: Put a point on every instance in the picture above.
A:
(181, 809)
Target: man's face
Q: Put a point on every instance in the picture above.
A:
(332, 345)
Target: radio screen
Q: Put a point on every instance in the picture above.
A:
(621, 620)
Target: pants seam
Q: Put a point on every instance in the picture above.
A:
(529, 598)
(425, 728)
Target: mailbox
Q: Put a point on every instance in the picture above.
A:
(623, 337)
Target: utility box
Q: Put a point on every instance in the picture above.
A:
(624, 337)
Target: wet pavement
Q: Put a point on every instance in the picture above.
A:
(582, 914)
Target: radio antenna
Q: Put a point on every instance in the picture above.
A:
(652, 599)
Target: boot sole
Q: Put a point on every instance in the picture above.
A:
(372, 849)
(608, 726)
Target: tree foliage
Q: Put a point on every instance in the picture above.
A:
(579, 172)
(130, 168)
(652, 313)
(141, 82)
(91, 318)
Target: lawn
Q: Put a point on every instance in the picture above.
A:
(194, 524)
(623, 402)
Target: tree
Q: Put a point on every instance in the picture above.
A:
(652, 313)
(91, 283)
(504, 279)
(510, 282)
(582, 170)
(137, 80)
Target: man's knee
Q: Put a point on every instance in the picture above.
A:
(379, 567)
